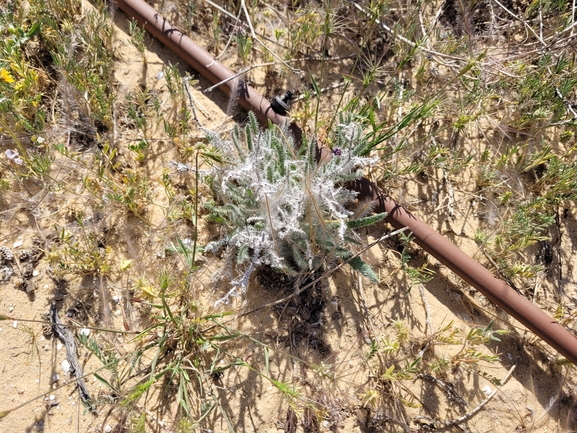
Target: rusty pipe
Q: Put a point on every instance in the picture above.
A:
(442, 249)
(473, 272)
(200, 59)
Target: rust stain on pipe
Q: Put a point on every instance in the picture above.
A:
(442, 249)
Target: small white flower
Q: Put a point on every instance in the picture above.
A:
(13, 156)
(180, 167)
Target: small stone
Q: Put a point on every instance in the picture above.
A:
(66, 366)
(5, 254)
(35, 273)
(487, 390)
(52, 397)
(107, 428)
(59, 346)
(15, 325)
(11, 309)
(18, 243)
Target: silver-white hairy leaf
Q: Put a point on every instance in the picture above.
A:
(290, 212)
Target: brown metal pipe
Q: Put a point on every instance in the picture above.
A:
(200, 59)
(447, 253)
(473, 272)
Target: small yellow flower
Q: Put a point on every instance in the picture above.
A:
(5, 76)
(149, 292)
(125, 264)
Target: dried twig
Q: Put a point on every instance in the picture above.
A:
(407, 41)
(64, 334)
(253, 34)
(527, 26)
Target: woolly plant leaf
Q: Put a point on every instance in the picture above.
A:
(249, 138)
(298, 257)
(281, 208)
(366, 221)
(280, 149)
(237, 141)
(253, 123)
(242, 254)
(364, 269)
(352, 241)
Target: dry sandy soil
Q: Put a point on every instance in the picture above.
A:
(319, 341)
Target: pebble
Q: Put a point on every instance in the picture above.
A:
(65, 366)
(487, 390)
(18, 243)
(107, 429)
(15, 324)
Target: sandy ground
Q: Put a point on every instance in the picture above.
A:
(319, 343)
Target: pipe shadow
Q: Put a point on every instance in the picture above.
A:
(545, 380)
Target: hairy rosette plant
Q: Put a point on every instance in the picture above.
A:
(280, 208)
